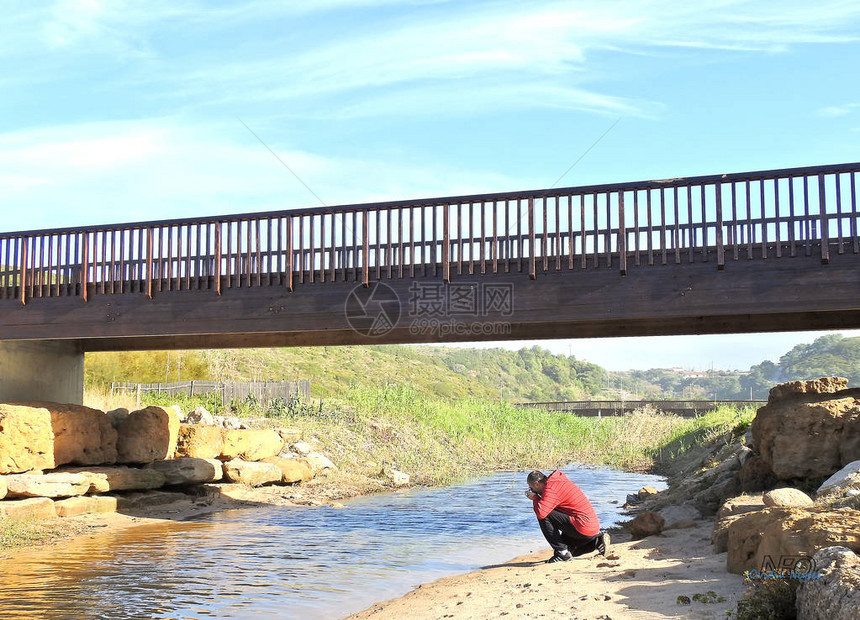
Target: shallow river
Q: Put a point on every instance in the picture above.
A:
(292, 562)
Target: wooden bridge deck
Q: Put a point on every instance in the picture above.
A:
(762, 251)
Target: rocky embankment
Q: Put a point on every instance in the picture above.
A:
(67, 460)
(784, 496)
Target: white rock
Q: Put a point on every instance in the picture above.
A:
(846, 478)
(200, 416)
(302, 447)
(318, 462)
(396, 477)
(46, 485)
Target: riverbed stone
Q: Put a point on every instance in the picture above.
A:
(199, 441)
(292, 470)
(82, 435)
(395, 477)
(787, 498)
(251, 444)
(74, 506)
(319, 462)
(646, 492)
(841, 482)
(26, 439)
(679, 512)
(188, 470)
(302, 447)
(34, 508)
(835, 594)
(252, 473)
(137, 500)
(200, 415)
(646, 524)
(46, 485)
(119, 478)
(147, 435)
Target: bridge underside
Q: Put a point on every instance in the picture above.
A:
(785, 294)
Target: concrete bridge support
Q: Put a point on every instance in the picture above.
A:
(50, 370)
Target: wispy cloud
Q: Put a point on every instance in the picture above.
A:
(834, 111)
(123, 171)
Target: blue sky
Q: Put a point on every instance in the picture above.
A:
(120, 111)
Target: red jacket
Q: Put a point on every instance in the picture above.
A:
(563, 495)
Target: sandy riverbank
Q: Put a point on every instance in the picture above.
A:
(639, 579)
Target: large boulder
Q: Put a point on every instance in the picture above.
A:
(808, 429)
(188, 470)
(292, 470)
(46, 485)
(35, 508)
(834, 591)
(646, 524)
(117, 416)
(787, 498)
(147, 435)
(199, 441)
(783, 532)
(119, 478)
(251, 444)
(26, 439)
(730, 512)
(252, 474)
(74, 506)
(82, 435)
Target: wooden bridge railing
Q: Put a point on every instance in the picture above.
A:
(718, 218)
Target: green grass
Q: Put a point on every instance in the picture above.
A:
(27, 532)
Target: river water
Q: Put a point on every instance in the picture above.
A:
(293, 562)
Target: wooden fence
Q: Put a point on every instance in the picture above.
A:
(263, 391)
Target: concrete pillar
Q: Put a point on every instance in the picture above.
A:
(48, 370)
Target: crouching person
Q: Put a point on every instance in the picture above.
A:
(566, 517)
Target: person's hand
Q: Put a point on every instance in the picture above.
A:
(531, 494)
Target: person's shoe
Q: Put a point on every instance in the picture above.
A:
(559, 557)
(603, 544)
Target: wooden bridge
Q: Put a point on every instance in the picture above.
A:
(774, 250)
(599, 408)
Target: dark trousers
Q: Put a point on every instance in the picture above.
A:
(562, 536)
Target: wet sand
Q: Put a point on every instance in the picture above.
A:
(639, 579)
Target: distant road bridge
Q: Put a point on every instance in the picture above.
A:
(596, 408)
(774, 250)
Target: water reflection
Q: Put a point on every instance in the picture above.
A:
(291, 562)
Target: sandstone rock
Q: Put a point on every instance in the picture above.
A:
(147, 435)
(646, 492)
(46, 485)
(740, 505)
(842, 481)
(319, 462)
(289, 435)
(682, 524)
(302, 447)
(836, 594)
(116, 416)
(188, 470)
(787, 498)
(200, 416)
(679, 512)
(199, 441)
(35, 508)
(75, 506)
(251, 473)
(779, 532)
(148, 499)
(292, 470)
(756, 475)
(395, 477)
(82, 435)
(810, 437)
(118, 478)
(251, 445)
(26, 439)
(646, 524)
(792, 389)
(2, 488)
